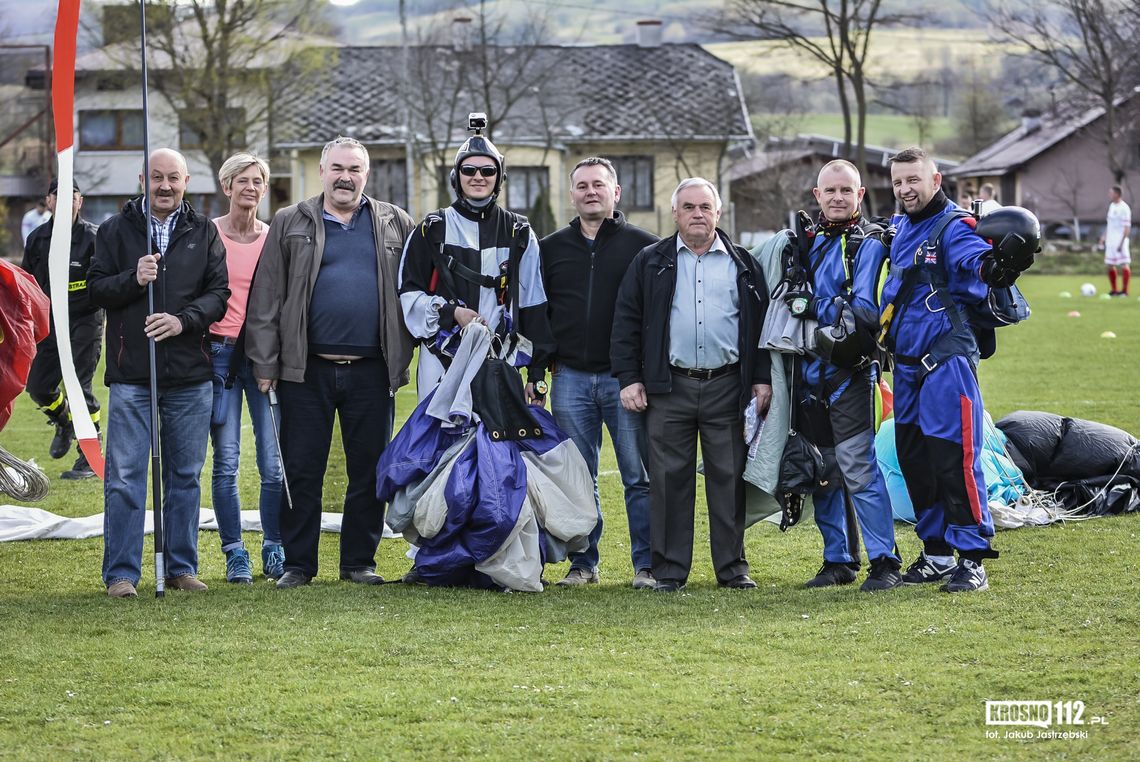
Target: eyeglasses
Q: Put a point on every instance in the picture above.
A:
(469, 170)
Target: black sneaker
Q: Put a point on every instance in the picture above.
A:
(924, 571)
(61, 442)
(968, 577)
(81, 470)
(832, 574)
(884, 575)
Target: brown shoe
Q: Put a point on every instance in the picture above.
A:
(122, 589)
(186, 582)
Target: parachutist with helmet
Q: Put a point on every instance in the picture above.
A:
(449, 278)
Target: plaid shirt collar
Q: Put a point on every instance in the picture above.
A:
(162, 230)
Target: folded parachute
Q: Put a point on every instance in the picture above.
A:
(487, 487)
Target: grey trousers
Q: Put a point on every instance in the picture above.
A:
(710, 409)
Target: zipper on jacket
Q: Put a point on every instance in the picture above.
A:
(589, 302)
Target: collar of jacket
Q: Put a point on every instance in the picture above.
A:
(313, 208)
(936, 206)
(133, 211)
(609, 226)
(475, 215)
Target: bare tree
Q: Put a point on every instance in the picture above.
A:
(837, 33)
(482, 63)
(222, 64)
(1091, 45)
(979, 117)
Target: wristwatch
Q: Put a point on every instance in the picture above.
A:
(799, 304)
(540, 388)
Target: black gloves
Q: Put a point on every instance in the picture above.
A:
(800, 302)
(995, 275)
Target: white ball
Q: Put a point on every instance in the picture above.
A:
(1088, 289)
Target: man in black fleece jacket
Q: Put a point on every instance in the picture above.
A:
(187, 266)
(583, 265)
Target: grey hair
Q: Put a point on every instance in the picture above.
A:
(238, 163)
(341, 140)
(689, 182)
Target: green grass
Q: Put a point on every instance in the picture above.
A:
(344, 672)
(884, 130)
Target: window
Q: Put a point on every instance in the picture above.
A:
(388, 181)
(111, 130)
(635, 176)
(524, 186)
(191, 138)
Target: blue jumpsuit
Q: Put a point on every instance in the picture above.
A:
(938, 405)
(844, 427)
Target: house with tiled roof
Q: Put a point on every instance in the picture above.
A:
(660, 112)
(1056, 166)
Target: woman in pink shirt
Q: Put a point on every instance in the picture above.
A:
(245, 181)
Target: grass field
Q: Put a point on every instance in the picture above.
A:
(883, 130)
(340, 671)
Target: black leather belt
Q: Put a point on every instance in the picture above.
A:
(705, 374)
(228, 340)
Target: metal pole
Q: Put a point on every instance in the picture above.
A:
(155, 459)
(406, 115)
(274, 412)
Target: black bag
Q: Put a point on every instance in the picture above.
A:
(497, 398)
(802, 469)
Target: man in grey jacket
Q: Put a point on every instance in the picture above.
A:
(324, 329)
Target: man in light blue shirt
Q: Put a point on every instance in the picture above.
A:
(685, 351)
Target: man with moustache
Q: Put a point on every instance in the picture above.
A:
(685, 350)
(323, 329)
(939, 414)
(188, 269)
(583, 265)
(836, 402)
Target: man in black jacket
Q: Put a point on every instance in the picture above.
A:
(685, 350)
(583, 264)
(187, 266)
(85, 322)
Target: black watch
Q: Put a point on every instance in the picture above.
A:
(541, 388)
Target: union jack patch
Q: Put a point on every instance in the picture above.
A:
(931, 255)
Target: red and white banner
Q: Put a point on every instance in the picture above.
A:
(63, 106)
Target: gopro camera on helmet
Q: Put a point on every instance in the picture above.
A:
(477, 122)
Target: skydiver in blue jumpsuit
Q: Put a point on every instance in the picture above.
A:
(938, 405)
(837, 403)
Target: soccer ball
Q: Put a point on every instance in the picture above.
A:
(1088, 289)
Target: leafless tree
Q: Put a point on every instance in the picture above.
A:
(1091, 44)
(222, 64)
(836, 33)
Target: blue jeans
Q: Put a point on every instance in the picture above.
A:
(225, 432)
(184, 425)
(581, 403)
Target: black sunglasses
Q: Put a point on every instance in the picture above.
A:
(467, 170)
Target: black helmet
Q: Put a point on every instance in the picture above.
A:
(478, 145)
(1015, 234)
(843, 344)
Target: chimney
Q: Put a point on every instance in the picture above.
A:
(461, 32)
(649, 33)
(1030, 120)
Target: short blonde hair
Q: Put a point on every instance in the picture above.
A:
(238, 163)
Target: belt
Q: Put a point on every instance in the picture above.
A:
(705, 374)
(227, 340)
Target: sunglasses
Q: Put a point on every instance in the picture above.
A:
(467, 170)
